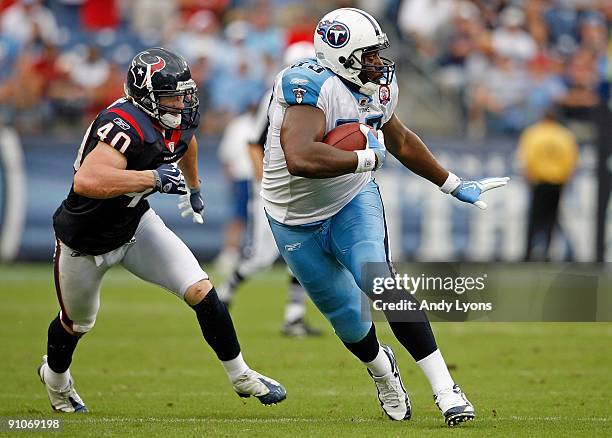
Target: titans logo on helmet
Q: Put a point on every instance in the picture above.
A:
(335, 34)
(154, 64)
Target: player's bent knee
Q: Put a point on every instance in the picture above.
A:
(349, 325)
(196, 292)
(354, 332)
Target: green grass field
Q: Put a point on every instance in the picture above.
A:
(145, 370)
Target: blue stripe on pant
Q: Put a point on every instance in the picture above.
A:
(327, 258)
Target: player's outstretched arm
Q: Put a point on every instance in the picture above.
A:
(301, 134)
(410, 150)
(103, 175)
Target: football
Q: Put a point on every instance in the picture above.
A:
(347, 137)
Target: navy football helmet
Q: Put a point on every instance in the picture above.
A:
(155, 73)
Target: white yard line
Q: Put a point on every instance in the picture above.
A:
(302, 420)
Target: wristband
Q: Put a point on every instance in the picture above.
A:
(366, 160)
(451, 183)
(195, 189)
(157, 180)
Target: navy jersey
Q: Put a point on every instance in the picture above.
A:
(97, 226)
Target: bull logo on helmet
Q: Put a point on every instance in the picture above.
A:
(335, 34)
(153, 64)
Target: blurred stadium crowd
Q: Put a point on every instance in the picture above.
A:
(506, 61)
(474, 75)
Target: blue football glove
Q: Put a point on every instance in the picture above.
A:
(169, 179)
(470, 191)
(375, 144)
(192, 205)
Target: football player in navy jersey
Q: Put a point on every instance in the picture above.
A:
(141, 144)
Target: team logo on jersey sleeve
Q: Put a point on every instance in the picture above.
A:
(299, 92)
(334, 33)
(299, 81)
(143, 76)
(121, 123)
(384, 94)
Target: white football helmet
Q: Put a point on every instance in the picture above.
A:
(342, 37)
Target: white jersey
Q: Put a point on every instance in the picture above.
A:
(233, 149)
(294, 200)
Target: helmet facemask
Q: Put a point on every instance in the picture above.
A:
(386, 70)
(172, 117)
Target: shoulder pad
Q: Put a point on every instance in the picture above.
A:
(302, 82)
(124, 114)
(123, 127)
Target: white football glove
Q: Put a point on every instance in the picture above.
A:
(192, 205)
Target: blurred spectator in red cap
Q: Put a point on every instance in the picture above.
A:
(190, 7)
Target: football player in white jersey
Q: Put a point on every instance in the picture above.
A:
(325, 209)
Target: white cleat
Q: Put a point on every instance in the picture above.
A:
(267, 390)
(454, 405)
(65, 400)
(391, 393)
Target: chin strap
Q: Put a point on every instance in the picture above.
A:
(369, 88)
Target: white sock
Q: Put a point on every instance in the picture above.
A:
(235, 367)
(436, 371)
(381, 365)
(294, 311)
(55, 380)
